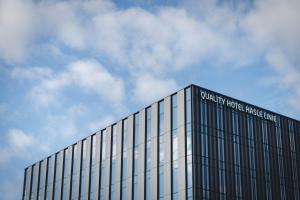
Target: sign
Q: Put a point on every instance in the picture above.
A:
(237, 106)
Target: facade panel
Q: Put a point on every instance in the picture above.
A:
(193, 144)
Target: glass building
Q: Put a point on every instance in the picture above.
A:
(193, 144)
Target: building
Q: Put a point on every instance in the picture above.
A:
(193, 144)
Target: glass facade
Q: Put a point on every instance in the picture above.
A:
(193, 144)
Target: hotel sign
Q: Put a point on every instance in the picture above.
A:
(237, 106)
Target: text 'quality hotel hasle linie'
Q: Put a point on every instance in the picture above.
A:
(193, 144)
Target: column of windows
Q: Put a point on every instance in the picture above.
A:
(204, 151)
(43, 166)
(280, 159)
(266, 153)
(83, 169)
(65, 173)
(113, 162)
(136, 155)
(148, 154)
(161, 160)
(49, 175)
(74, 173)
(237, 154)
(33, 181)
(124, 172)
(102, 168)
(57, 175)
(251, 152)
(294, 159)
(221, 152)
(174, 133)
(93, 166)
(188, 121)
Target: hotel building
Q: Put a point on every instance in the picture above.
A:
(193, 144)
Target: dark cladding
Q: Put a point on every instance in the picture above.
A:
(193, 144)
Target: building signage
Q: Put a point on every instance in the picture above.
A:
(237, 105)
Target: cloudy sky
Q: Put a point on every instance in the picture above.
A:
(69, 68)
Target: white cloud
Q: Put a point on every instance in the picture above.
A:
(20, 140)
(157, 41)
(23, 22)
(274, 23)
(88, 75)
(148, 88)
(19, 144)
(288, 77)
(91, 75)
(17, 22)
(30, 73)
(273, 27)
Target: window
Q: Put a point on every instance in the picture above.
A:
(102, 168)
(148, 154)
(266, 153)
(113, 162)
(294, 158)
(280, 159)
(34, 180)
(136, 155)
(49, 176)
(204, 150)
(75, 174)
(161, 149)
(93, 165)
(43, 166)
(188, 121)
(66, 173)
(174, 126)
(84, 166)
(58, 170)
(237, 153)
(124, 158)
(251, 151)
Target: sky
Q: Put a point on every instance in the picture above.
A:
(70, 68)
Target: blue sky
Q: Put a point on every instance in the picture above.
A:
(69, 68)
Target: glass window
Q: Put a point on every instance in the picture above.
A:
(161, 124)
(136, 155)
(113, 162)
(188, 134)
(34, 173)
(148, 154)
(27, 181)
(161, 117)
(174, 123)
(66, 173)
(92, 168)
(161, 182)
(102, 168)
(124, 159)
(74, 172)
(84, 165)
(58, 168)
(50, 175)
(148, 124)
(42, 179)
(136, 129)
